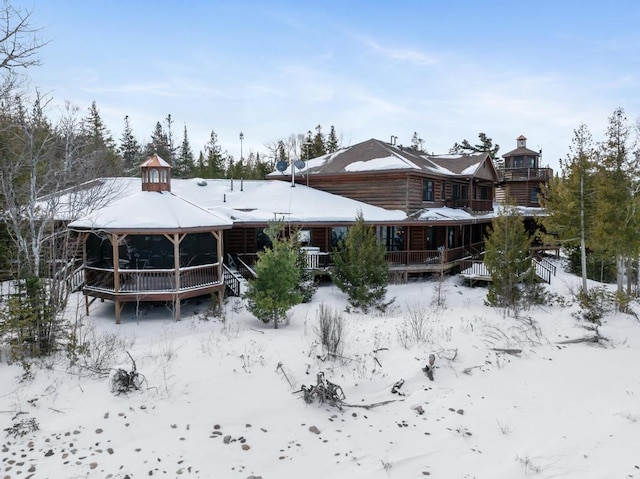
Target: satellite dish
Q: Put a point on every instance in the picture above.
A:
(281, 166)
(300, 164)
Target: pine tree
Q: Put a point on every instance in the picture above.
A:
(507, 258)
(361, 269)
(569, 200)
(485, 145)
(184, 165)
(275, 289)
(317, 144)
(159, 144)
(171, 147)
(332, 141)
(417, 143)
(98, 150)
(213, 164)
(130, 149)
(262, 168)
(616, 215)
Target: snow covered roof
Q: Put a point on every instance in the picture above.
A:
(375, 155)
(198, 203)
(444, 214)
(155, 160)
(151, 210)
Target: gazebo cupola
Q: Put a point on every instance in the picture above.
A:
(521, 141)
(156, 174)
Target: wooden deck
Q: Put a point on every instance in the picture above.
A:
(474, 270)
(133, 285)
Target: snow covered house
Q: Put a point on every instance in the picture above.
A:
(448, 199)
(151, 246)
(160, 239)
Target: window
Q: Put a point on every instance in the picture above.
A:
(534, 194)
(304, 237)
(262, 239)
(338, 234)
(430, 238)
(460, 192)
(155, 177)
(443, 190)
(427, 190)
(392, 237)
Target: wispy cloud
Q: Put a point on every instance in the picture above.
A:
(411, 56)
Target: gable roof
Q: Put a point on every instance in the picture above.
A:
(375, 155)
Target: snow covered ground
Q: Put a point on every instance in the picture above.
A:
(219, 398)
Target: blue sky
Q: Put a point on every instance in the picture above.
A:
(373, 69)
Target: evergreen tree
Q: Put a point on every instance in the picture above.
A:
(485, 145)
(213, 164)
(275, 289)
(332, 141)
(317, 144)
(361, 269)
(507, 257)
(97, 150)
(261, 168)
(130, 149)
(616, 215)
(184, 165)
(569, 200)
(171, 147)
(281, 151)
(417, 143)
(159, 144)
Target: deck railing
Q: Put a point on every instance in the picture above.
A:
(151, 280)
(231, 280)
(540, 174)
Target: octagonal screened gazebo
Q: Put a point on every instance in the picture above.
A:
(151, 246)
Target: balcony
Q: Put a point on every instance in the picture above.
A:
(524, 174)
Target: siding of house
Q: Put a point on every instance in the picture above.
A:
(519, 192)
(385, 190)
(240, 240)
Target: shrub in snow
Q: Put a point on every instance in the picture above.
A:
(361, 270)
(330, 330)
(22, 427)
(275, 289)
(597, 302)
(507, 258)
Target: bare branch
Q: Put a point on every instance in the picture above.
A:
(19, 41)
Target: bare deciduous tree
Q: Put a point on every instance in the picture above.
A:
(19, 41)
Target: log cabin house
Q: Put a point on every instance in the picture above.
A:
(163, 239)
(448, 199)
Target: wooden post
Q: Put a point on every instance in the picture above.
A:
(176, 265)
(218, 236)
